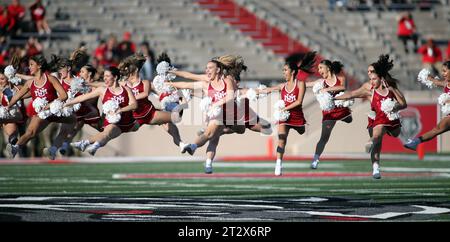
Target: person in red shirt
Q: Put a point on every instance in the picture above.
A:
(431, 56)
(33, 47)
(17, 12)
(37, 11)
(7, 22)
(406, 30)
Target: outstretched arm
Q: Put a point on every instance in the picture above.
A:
(362, 92)
(95, 93)
(191, 76)
(20, 94)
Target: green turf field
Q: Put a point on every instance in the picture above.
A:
(403, 182)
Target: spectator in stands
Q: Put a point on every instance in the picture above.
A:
(126, 47)
(38, 16)
(111, 56)
(6, 22)
(33, 47)
(339, 3)
(149, 66)
(17, 12)
(100, 53)
(406, 30)
(431, 56)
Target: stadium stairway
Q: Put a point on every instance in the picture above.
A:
(249, 24)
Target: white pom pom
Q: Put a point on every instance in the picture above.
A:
(214, 111)
(162, 68)
(422, 77)
(325, 100)
(110, 108)
(387, 106)
(443, 98)
(78, 85)
(260, 88)
(279, 114)
(445, 109)
(187, 94)
(343, 103)
(39, 104)
(67, 111)
(205, 103)
(160, 85)
(9, 72)
(15, 80)
(317, 87)
(372, 114)
(279, 105)
(44, 114)
(56, 107)
(251, 94)
(4, 113)
(76, 107)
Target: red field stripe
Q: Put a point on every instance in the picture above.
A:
(261, 175)
(285, 158)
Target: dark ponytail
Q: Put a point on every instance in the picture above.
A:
(382, 68)
(307, 62)
(164, 57)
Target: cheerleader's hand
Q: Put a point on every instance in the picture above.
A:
(323, 90)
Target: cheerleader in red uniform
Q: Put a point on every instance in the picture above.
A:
(146, 113)
(333, 82)
(123, 96)
(444, 125)
(292, 94)
(10, 121)
(380, 87)
(41, 86)
(67, 70)
(220, 89)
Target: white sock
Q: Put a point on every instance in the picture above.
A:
(278, 162)
(375, 166)
(208, 162)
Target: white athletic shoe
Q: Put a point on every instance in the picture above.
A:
(91, 149)
(208, 169)
(11, 150)
(369, 147)
(314, 164)
(80, 145)
(278, 170)
(50, 152)
(376, 173)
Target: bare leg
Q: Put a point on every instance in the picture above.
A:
(283, 132)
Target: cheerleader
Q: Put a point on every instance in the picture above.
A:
(386, 101)
(10, 119)
(219, 91)
(290, 111)
(118, 103)
(332, 82)
(444, 125)
(146, 113)
(74, 86)
(41, 87)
